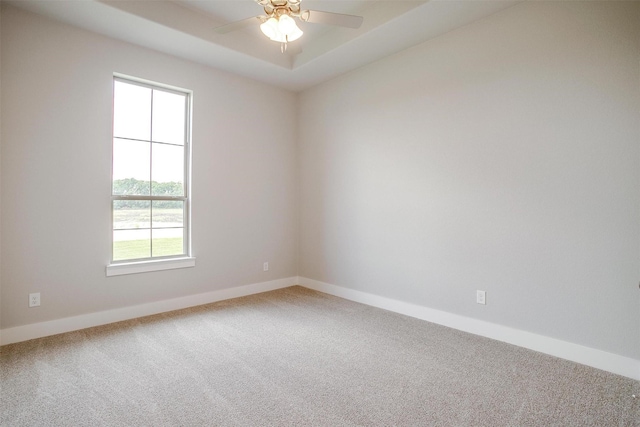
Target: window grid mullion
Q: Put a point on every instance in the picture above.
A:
(157, 228)
(159, 198)
(148, 140)
(151, 145)
(151, 176)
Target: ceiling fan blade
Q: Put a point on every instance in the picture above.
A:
(227, 28)
(329, 18)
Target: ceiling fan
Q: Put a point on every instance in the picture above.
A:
(279, 24)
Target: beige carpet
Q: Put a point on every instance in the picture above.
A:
(298, 357)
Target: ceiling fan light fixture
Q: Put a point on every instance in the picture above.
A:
(295, 34)
(282, 29)
(270, 28)
(286, 24)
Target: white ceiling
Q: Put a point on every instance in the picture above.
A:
(184, 28)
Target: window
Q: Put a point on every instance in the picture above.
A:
(150, 174)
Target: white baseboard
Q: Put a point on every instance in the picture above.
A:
(68, 324)
(599, 359)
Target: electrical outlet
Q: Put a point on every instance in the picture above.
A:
(265, 266)
(481, 297)
(34, 300)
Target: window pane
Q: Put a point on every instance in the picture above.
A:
(167, 170)
(131, 214)
(167, 214)
(168, 117)
(168, 241)
(150, 129)
(131, 167)
(131, 244)
(131, 111)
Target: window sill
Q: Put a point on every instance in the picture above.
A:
(146, 266)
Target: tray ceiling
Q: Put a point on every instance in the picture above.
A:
(184, 28)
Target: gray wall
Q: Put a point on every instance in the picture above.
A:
(503, 156)
(56, 165)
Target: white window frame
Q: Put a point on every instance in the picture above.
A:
(141, 265)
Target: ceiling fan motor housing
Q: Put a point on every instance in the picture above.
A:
(277, 8)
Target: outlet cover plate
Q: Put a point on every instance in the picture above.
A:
(481, 297)
(34, 300)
